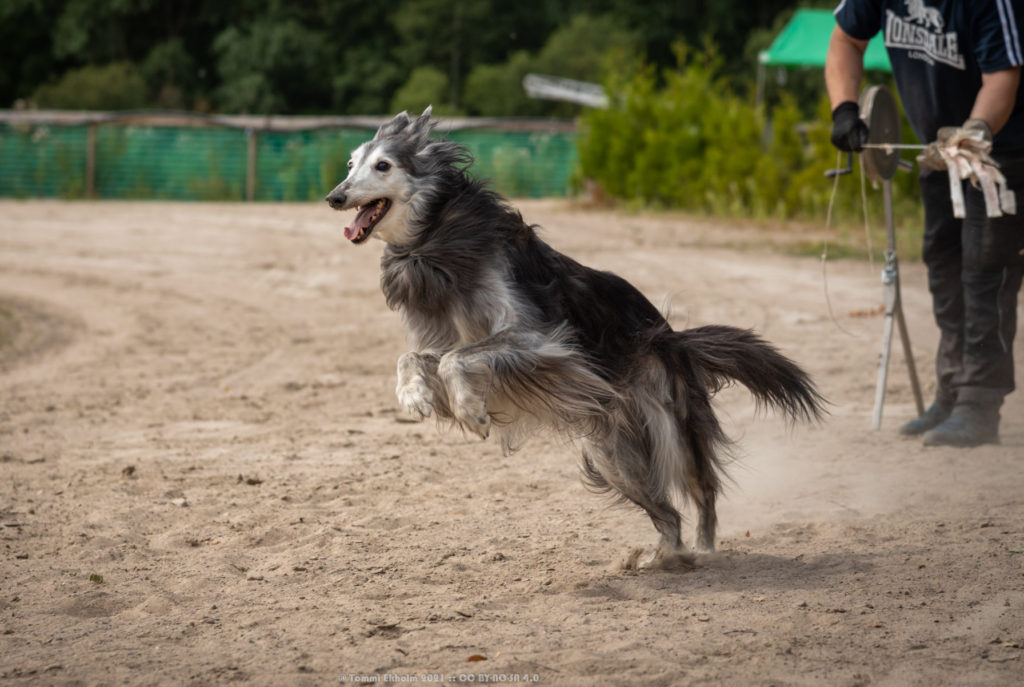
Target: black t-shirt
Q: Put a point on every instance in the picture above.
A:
(939, 51)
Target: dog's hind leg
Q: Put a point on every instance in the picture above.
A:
(656, 432)
(707, 519)
(703, 437)
(625, 472)
(670, 552)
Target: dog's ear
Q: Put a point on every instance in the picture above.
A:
(396, 125)
(420, 128)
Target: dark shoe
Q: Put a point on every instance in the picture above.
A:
(969, 425)
(936, 414)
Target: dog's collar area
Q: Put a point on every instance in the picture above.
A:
(367, 217)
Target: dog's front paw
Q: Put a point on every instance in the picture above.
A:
(416, 398)
(472, 415)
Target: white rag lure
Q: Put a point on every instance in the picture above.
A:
(966, 154)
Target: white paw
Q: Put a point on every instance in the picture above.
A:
(416, 398)
(472, 415)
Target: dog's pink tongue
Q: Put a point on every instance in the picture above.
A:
(360, 223)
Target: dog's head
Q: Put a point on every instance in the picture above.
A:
(394, 178)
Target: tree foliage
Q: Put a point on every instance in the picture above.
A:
(270, 66)
(571, 51)
(350, 56)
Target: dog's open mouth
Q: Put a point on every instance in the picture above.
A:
(367, 217)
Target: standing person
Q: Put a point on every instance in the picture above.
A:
(956, 63)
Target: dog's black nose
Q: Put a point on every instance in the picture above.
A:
(336, 199)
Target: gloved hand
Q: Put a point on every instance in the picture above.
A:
(849, 132)
(979, 125)
(974, 133)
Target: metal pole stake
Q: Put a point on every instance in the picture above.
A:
(893, 315)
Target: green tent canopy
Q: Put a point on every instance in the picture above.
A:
(803, 42)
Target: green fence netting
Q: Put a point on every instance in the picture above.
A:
(170, 164)
(42, 161)
(197, 163)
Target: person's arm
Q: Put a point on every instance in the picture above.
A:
(992, 109)
(844, 67)
(844, 70)
(994, 102)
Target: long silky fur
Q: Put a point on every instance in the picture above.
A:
(493, 314)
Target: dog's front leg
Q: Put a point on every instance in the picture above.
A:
(415, 394)
(467, 378)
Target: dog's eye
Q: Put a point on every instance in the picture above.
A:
(383, 166)
(350, 164)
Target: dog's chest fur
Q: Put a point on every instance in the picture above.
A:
(447, 300)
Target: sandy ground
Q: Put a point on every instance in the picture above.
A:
(205, 478)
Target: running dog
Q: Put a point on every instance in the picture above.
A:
(507, 333)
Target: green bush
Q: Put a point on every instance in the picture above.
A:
(685, 139)
(114, 86)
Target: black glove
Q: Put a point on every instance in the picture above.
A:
(849, 132)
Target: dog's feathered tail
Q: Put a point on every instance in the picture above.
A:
(722, 355)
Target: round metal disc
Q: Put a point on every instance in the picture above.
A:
(878, 110)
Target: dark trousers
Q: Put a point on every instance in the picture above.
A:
(974, 275)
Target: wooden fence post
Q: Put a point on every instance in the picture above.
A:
(90, 161)
(250, 170)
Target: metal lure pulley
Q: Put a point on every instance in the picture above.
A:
(880, 159)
